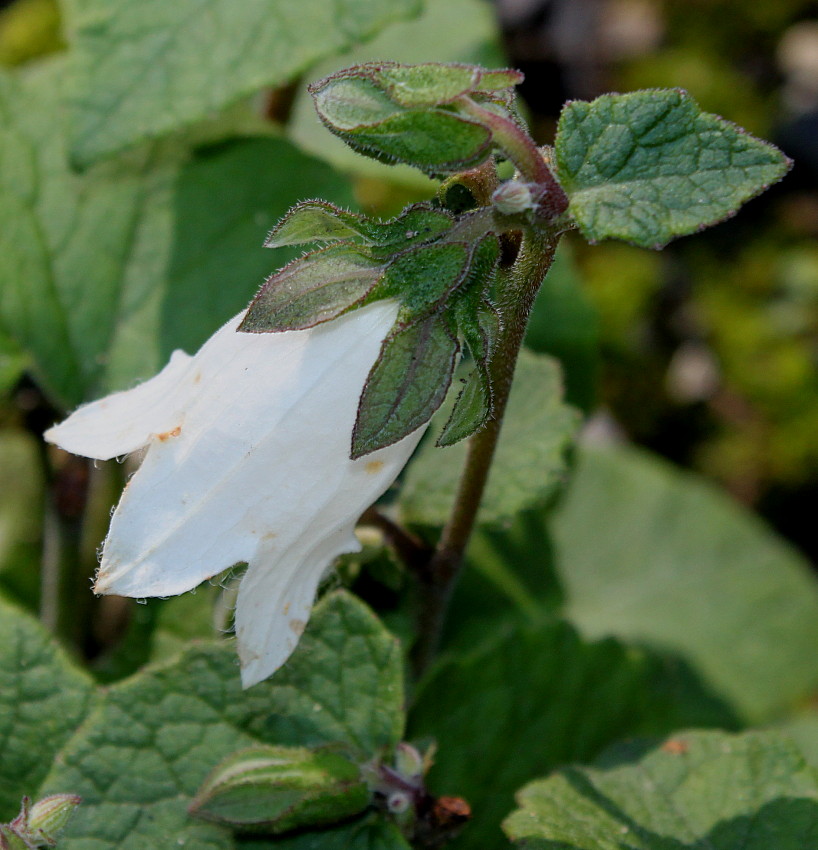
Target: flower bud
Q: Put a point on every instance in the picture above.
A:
(276, 789)
(48, 816)
(512, 197)
(414, 113)
(38, 825)
(409, 762)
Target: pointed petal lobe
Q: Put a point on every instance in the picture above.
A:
(124, 422)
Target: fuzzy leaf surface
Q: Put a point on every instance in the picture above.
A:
(43, 699)
(650, 554)
(530, 463)
(425, 277)
(145, 69)
(536, 696)
(139, 760)
(319, 221)
(312, 289)
(138, 234)
(434, 141)
(407, 384)
(650, 166)
(751, 791)
(446, 30)
(471, 409)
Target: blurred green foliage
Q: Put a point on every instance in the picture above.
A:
(708, 351)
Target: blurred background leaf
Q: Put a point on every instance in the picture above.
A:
(103, 274)
(191, 62)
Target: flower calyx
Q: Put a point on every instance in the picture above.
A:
(439, 268)
(439, 260)
(38, 824)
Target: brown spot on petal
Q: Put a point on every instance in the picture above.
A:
(168, 434)
(373, 467)
(286, 609)
(197, 377)
(298, 626)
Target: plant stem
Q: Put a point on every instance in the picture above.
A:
(438, 578)
(515, 142)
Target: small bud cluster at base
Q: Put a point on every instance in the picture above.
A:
(400, 789)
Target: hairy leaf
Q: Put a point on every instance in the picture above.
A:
(140, 758)
(424, 277)
(471, 410)
(43, 699)
(407, 384)
(312, 289)
(319, 221)
(450, 30)
(650, 166)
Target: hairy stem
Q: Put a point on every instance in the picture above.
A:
(438, 578)
(515, 142)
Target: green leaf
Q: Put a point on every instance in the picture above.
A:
(103, 274)
(533, 697)
(319, 221)
(697, 789)
(428, 84)
(471, 410)
(314, 221)
(650, 166)
(433, 140)
(447, 30)
(145, 69)
(530, 464)
(43, 699)
(407, 384)
(424, 277)
(180, 619)
(138, 761)
(312, 289)
(650, 554)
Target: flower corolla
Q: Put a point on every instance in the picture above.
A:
(248, 459)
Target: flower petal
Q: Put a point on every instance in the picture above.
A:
(276, 594)
(257, 469)
(124, 422)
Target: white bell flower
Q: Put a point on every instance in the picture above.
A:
(247, 459)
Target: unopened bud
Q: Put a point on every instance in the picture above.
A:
(48, 816)
(408, 762)
(512, 197)
(414, 113)
(38, 825)
(398, 802)
(276, 789)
